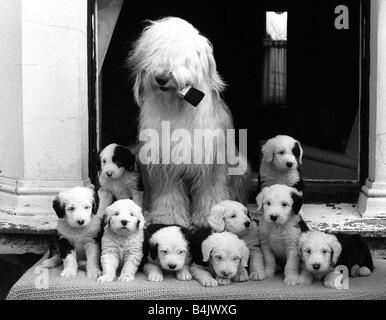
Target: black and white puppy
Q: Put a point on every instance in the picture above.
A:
(322, 252)
(79, 232)
(280, 163)
(280, 230)
(118, 177)
(218, 257)
(166, 248)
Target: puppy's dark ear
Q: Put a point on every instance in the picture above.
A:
(298, 202)
(123, 157)
(59, 207)
(154, 251)
(298, 151)
(95, 203)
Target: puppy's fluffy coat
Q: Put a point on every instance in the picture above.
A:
(221, 254)
(280, 229)
(166, 248)
(122, 241)
(118, 177)
(321, 253)
(79, 232)
(234, 217)
(282, 157)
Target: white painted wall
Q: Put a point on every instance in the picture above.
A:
(11, 129)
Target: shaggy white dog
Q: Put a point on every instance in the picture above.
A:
(118, 177)
(234, 217)
(282, 157)
(79, 232)
(122, 241)
(169, 56)
(221, 254)
(280, 229)
(166, 248)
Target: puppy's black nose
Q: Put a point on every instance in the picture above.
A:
(273, 218)
(289, 164)
(316, 266)
(109, 173)
(80, 222)
(124, 222)
(225, 273)
(161, 80)
(172, 266)
(247, 224)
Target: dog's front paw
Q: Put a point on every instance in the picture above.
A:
(223, 281)
(184, 275)
(68, 273)
(241, 276)
(354, 271)
(106, 278)
(208, 282)
(93, 273)
(304, 279)
(269, 273)
(291, 280)
(155, 277)
(126, 278)
(257, 275)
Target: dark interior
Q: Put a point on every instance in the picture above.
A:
(322, 73)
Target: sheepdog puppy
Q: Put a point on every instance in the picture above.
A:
(281, 160)
(217, 254)
(118, 176)
(79, 232)
(280, 230)
(166, 248)
(234, 217)
(122, 241)
(169, 56)
(321, 253)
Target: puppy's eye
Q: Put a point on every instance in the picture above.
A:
(163, 251)
(281, 152)
(324, 251)
(116, 213)
(71, 208)
(181, 252)
(233, 216)
(285, 204)
(308, 251)
(103, 161)
(87, 207)
(218, 257)
(236, 258)
(268, 203)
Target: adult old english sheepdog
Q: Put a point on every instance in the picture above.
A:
(170, 57)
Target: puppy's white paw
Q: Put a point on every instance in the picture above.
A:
(269, 273)
(184, 275)
(68, 273)
(106, 278)
(93, 273)
(257, 275)
(223, 282)
(126, 278)
(241, 276)
(208, 282)
(291, 280)
(304, 279)
(155, 277)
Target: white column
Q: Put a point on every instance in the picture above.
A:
(372, 199)
(44, 114)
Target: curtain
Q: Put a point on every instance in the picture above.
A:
(275, 73)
